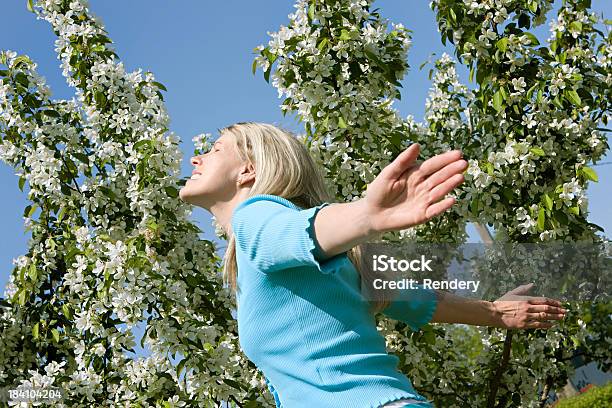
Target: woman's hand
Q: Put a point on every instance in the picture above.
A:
(515, 311)
(406, 194)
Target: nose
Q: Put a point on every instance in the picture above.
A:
(195, 160)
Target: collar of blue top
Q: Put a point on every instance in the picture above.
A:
(280, 199)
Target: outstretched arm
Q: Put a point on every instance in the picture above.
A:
(403, 195)
(511, 311)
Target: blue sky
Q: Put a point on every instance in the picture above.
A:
(202, 52)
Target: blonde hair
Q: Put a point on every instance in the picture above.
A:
(285, 168)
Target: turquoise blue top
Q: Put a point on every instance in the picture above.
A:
(303, 320)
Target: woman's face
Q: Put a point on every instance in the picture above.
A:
(214, 175)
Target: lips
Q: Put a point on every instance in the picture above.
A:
(195, 175)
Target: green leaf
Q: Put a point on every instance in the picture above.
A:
(575, 210)
(267, 74)
(474, 207)
(502, 44)
(497, 101)
(100, 99)
(548, 202)
(341, 123)
(531, 90)
(180, 367)
(108, 192)
(575, 26)
(160, 85)
(322, 44)
(51, 113)
(30, 5)
(232, 383)
(33, 272)
(35, 330)
(254, 67)
(573, 97)
(504, 94)
(67, 311)
(56, 335)
(30, 210)
(590, 173)
(345, 35)
(537, 151)
(171, 191)
(541, 218)
(139, 144)
(507, 192)
(22, 297)
(533, 6)
(562, 57)
(311, 11)
(532, 38)
(429, 337)
(81, 156)
(22, 59)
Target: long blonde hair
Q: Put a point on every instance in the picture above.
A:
(285, 168)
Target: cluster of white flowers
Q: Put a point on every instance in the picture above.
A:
(303, 76)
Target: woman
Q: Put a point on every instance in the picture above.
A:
(291, 259)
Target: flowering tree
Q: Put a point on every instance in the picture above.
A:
(112, 245)
(529, 129)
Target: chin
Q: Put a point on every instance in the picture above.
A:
(190, 197)
(185, 196)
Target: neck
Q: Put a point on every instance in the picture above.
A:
(223, 210)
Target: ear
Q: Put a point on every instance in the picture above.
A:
(247, 173)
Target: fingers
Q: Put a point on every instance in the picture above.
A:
(538, 325)
(546, 309)
(443, 189)
(447, 172)
(542, 316)
(544, 301)
(437, 162)
(439, 207)
(541, 319)
(402, 162)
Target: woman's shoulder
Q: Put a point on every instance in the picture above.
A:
(265, 200)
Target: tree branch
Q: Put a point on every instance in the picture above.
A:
(500, 370)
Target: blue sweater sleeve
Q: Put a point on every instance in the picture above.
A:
(275, 237)
(415, 307)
